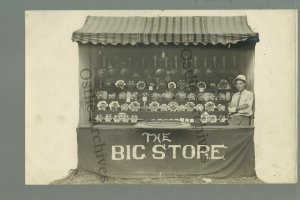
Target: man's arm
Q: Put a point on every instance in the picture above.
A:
(246, 107)
(242, 107)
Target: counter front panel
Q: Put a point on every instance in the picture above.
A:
(127, 152)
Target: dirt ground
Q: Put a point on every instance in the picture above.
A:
(79, 177)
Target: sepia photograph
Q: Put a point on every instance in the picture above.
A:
(160, 97)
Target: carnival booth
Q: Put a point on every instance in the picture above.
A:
(154, 94)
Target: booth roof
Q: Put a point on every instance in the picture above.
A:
(165, 30)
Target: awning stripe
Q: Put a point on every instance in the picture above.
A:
(164, 30)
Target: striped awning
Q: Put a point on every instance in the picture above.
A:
(164, 30)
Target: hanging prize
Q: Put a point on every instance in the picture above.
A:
(223, 85)
(124, 107)
(154, 106)
(108, 118)
(102, 105)
(199, 107)
(209, 106)
(122, 96)
(112, 96)
(134, 118)
(141, 85)
(101, 95)
(221, 107)
(189, 106)
(205, 117)
(191, 96)
(201, 86)
(120, 84)
(99, 118)
(114, 105)
(164, 107)
(128, 97)
(173, 106)
(213, 119)
(134, 106)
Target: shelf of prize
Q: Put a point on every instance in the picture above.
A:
(159, 90)
(160, 101)
(131, 124)
(148, 112)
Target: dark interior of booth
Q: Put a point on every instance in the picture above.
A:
(147, 71)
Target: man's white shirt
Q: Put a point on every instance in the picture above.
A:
(247, 97)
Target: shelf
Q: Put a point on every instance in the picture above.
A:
(160, 101)
(158, 112)
(146, 115)
(131, 125)
(118, 90)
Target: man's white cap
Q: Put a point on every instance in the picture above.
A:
(240, 77)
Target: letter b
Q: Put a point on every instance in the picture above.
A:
(117, 155)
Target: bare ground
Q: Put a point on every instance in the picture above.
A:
(79, 177)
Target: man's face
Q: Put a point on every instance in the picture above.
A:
(240, 85)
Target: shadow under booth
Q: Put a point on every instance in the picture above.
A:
(154, 95)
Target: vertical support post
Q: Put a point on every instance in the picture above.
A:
(87, 66)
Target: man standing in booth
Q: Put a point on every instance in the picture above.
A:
(241, 106)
